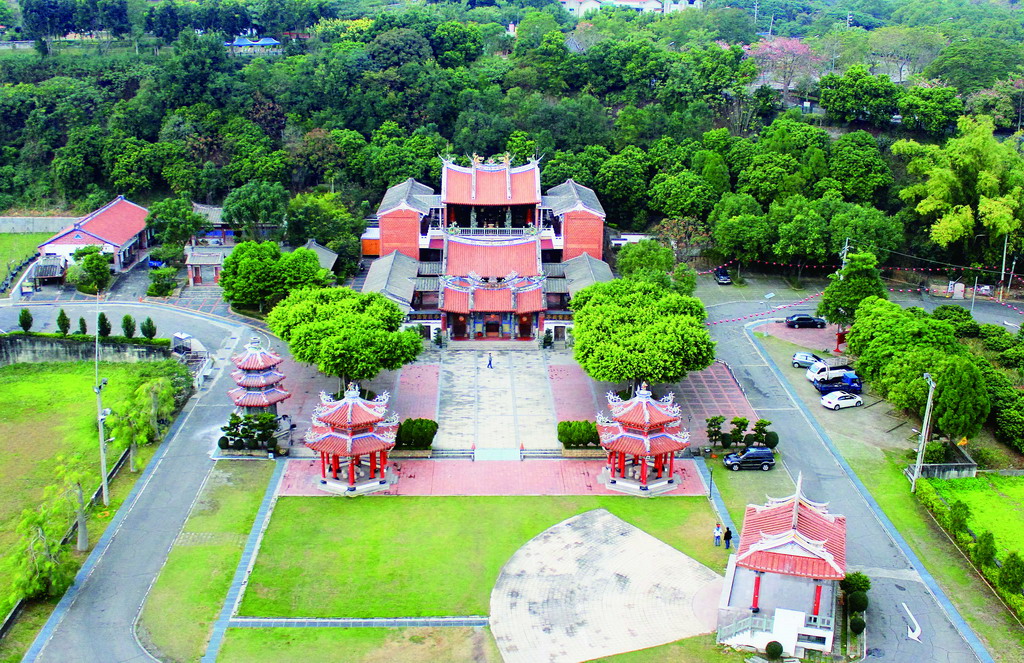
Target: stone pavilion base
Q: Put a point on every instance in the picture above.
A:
(594, 586)
(363, 485)
(634, 487)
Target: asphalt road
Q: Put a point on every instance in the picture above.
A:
(871, 546)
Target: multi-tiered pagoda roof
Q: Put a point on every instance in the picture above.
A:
(642, 426)
(257, 377)
(352, 426)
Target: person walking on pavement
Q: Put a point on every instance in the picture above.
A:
(490, 360)
(727, 537)
(718, 534)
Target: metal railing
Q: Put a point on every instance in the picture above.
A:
(752, 623)
(818, 621)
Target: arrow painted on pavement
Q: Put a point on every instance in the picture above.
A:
(913, 633)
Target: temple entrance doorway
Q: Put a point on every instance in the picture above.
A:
(525, 326)
(459, 326)
(492, 326)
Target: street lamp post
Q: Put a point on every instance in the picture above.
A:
(711, 480)
(101, 416)
(925, 426)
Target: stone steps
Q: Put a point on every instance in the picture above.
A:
(491, 346)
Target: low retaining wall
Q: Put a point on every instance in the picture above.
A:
(35, 224)
(18, 349)
(963, 466)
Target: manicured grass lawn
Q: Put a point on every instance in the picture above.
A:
(188, 594)
(359, 645)
(698, 649)
(878, 458)
(429, 556)
(996, 503)
(15, 247)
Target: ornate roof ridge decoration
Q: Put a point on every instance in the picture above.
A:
(642, 397)
(473, 282)
(767, 543)
(466, 236)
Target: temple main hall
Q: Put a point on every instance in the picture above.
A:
(490, 257)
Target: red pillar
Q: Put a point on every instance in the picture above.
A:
(323, 465)
(757, 590)
(817, 599)
(622, 463)
(352, 470)
(334, 458)
(383, 461)
(643, 471)
(658, 463)
(373, 465)
(671, 464)
(444, 321)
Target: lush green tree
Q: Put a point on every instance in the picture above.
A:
(173, 221)
(857, 280)
(128, 326)
(859, 167)
(255, 207)
(906, 49)
(162, 281)
(961, 401)
(82, 327)
(25, 319)
(103, 325)
(41, 565)
(771, 176)
(930, 109)
(975, 64)
(857, 96)
(984, 552)
(864, 226)
(97, 268)
(646, 254)
(1011, 575)
(148, 328)
(745, 236)
(631, 331)
(322, 218)
(973, 178)
(301, 269)
(803, 233)
(250, 275)
(63, 323)
(683, 194)
(350, 335)
(684, 279)
(621, 183)
(397, 47)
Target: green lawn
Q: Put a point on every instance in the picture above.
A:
(996, 503)
(698, 649)
(15, 247)
(359, 645)
(738, 489)
(428, 556)
(874, 441)
(188, 595)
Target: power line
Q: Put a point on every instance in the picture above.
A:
(935, 262)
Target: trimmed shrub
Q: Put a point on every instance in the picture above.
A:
(997, 341)
(751, 439)
(739, 427)
(82, 328)
(773, 650)
(128, 326)
(148, 328)
(855, 582)
(771, 439)
(103, 324)
(714, 428)
(1011, 576)
(984, 551)
(726, 440)
(63, 323)
(575, 434)
(416, 434)
(224, 442)
(857, 601)
(25, 319)
(857, 625)
(1013, 357)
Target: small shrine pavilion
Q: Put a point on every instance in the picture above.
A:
(641, 439)
(353, 436)
(259, 382)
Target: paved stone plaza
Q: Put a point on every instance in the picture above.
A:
(505, 407)
(594, 586)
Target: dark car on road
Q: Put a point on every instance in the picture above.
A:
(803, 320)
(751, 459)
(722, 276)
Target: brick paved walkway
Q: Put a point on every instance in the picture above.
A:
(574, 397)
(417, 392)
(595, 586)
(707, 393)
(466, 477)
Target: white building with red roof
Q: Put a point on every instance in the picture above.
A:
(353, 437)
(642, 438)
(781, 584)
(118, 228)
(490, 256)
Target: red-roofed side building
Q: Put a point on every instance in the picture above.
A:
(118, 228)
(781, 583)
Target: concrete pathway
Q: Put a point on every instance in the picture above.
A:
(466, 477)
(594, 586)
(872, 541)
(503, 408)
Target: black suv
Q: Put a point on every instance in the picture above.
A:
(722, 276)
(750, 459)
(800, 320)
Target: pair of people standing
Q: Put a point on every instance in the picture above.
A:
(719, 535)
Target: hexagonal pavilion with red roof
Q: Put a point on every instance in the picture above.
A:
(641, 439)
(259, 382)
(358, 431)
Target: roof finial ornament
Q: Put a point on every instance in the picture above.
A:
(351, 390)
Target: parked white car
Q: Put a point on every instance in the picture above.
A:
(840, 399)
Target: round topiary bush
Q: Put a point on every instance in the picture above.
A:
(857, 601)
(773, 650)
(725, 440)
(771, 439)
(857, 625)
(223, 442)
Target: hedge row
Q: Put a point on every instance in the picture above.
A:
(955, 524)
(576, 434)
(416, 434)
(87, 338)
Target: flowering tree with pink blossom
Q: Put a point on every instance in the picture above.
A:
(783, 58)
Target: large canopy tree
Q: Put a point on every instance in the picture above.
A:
(628, 331)
(848, 287)
(351, 335)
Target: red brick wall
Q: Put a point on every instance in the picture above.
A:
(400, 231)
(582, 232)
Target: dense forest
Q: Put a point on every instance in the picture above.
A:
(693, 123)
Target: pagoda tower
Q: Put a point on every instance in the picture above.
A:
(641, 439)
(259, 382)
(353, 436)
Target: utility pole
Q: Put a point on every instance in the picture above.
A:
(1002, 271)
(974, 293)
(925, 426)
(1009, 284)
(756, 7)
(771, 26)
(101, 416)
(842, 257)
(849, 19)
